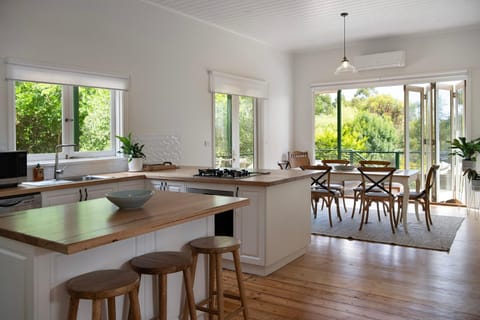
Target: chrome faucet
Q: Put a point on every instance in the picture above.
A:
(58, 148)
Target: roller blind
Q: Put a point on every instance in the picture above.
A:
(232, 84)
(22, 71)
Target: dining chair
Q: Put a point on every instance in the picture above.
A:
(422, 197)
(320, 189)
(377, 187)
(358, 189)
(338, 186)
(296, 159)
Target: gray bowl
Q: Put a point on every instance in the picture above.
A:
(130, 199)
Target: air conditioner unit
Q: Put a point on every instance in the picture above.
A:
(392, 59)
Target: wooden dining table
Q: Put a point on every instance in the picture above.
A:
(404, 177)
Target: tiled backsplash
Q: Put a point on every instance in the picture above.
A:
(160, 148)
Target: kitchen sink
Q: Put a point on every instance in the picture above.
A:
(85, 178)
(53, 182)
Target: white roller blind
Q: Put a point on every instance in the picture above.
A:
(48, 74)
(232, 84)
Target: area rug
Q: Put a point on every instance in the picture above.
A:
(439, 238)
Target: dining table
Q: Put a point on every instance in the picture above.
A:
(403, 176)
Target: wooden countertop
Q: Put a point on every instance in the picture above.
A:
(84, 225)
(274, 176)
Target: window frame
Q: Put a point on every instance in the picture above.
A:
(68, 79)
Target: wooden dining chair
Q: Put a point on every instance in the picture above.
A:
(296, 159)
(338, 186)
(320, 189)
(377, 187)
(358, 189)
(422, 197)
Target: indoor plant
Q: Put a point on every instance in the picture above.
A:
(467, 150)
(134, 151)
(474, 177)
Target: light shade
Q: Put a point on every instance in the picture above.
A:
(345, 66)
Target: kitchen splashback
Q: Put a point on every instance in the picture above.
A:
(160, 148)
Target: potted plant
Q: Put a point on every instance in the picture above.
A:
(474, 177)
(467, 150)
(134, 151)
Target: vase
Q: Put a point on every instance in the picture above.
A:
(476, 184)
(135, 164)
(468, 164)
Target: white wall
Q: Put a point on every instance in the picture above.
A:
(425, 54)
(167, 57)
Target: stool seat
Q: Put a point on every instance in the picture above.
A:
(216, 244)
(161, 264)
(104, 284)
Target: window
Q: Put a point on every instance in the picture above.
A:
(235, 131)
(51, 106)
(235, 103)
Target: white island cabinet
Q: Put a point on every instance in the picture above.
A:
(274, 228)
(41, 249)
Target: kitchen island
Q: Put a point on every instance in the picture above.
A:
(40, 249)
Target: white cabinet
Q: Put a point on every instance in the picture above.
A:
(173, 186)
(71, 195)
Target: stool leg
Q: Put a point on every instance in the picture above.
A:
(193, 269)
(111, 308)
(220, 297)
(96, 309)
(162, 296)
(211, 285)
(187, 278)
(134, 304)
(73, 308)
(241, 287)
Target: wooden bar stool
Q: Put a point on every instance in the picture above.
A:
(214, 247)
(104, 284)
(161, 264)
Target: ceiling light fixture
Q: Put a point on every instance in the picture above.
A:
(345, 65)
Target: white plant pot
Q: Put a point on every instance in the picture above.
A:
(135, 164)
(468, 164)
(476, 184)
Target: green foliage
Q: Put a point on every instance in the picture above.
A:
(471, 174)
(38, 116)
(131, 148)
(324, 104)
(465, 149)
(94, 119)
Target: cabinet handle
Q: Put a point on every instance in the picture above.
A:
(86, 194)
(80, 191)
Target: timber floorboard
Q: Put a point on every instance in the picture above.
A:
(350, 279)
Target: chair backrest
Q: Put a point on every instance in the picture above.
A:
(297, 159)
(430, 180)
(323, 179)
(329, 162)
(374, 163)
(377, 178)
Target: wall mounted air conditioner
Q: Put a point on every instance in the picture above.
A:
(392, 59)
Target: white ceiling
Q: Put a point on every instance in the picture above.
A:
(303, 24)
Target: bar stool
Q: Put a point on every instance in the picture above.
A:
(161, 264)
(104, 284)
(214, 247)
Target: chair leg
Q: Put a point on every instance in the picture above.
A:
(111, 308)
(329, 213)
(392, 215)
(338, 209)
(355, 198)
(96, 309)
(134, 304)
(73, 308)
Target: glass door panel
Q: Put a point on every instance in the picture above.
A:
(414, 133)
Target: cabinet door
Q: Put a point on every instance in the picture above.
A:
(249, 225)
(97, 191)
(64, 196)
(131, 185)
(173, 186)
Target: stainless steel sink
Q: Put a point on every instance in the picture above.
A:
(85, 178)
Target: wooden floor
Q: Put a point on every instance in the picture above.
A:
(348, 279)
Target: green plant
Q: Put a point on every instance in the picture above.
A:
(130, 148)
(471, 174)
(465, 149)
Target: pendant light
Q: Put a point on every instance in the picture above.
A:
(345, 65)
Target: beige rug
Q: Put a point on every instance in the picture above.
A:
(439, 238)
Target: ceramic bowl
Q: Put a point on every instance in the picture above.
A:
(129, 199)
(342, 167)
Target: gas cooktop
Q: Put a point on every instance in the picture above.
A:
(227, 173)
